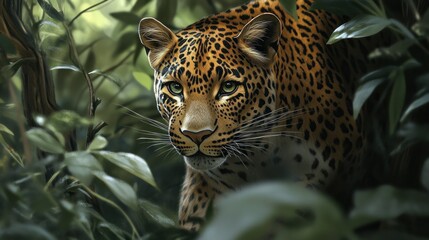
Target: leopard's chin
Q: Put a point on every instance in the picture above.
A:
(203, 162)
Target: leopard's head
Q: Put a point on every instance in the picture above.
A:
(212, 81)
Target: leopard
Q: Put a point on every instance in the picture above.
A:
(254, 94)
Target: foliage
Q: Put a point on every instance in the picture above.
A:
(83, 185)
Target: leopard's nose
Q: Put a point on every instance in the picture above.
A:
(197, 137)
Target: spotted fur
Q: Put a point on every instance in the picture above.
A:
(290, 115)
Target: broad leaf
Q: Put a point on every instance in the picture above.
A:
(265, 209)
(126, 17)
(363, 93)
(342, 7)
(130, 163)
(98, 143)
(387, 202)
(165, 11)
(394, 51)
(122, 190)
(82, 165)
(51, 11)
(144, 79)
(3, 128)
(26, 231)
(397, 99)
(45, 141)
(422, 100)
(156, 213)
(290, 7)
(379, 73)
(359, 27)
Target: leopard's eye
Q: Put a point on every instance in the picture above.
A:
(175, 88)
(228, 87)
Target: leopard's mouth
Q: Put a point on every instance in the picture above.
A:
(202, 162)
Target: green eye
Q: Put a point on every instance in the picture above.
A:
(228, 87)
(175, 88)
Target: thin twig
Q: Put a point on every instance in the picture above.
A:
(86, 10)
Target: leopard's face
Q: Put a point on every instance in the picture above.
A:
(209, 87)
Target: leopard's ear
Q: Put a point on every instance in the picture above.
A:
(259, 38)
(157, 39)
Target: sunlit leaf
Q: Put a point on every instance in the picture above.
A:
(358, 27)
(45, 141)
(112, 79)
(363, 93)
(65, 120)
(130, 163)
(422, 100)
(82, 165)
(290, 7)
(3, 128)
(269, 208)
(156, 213)
(98, 143)
(144, 79)
(387, 202)
(122, 190)
(66, 67)
(126, 17)
(397, 99)
(51, 11)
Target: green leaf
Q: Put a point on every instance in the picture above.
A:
(45, 141)
(392, 235)
(341, 7)
(256, 211)
(21, 231)
(51, 11)
(65, 120)
(359, 27)
(82, 165)
(394, 51)
(66, 67)
(7, 45)
(290, 7)
(15, 156)
(425, 175)
(98, 143)
(3, 128)
(144, 79)
(387, 202)
(126, 17)
(363, 93)
(422, 100)
(156, 213)
(9, 70)
(165, 11)
(130, 163)
(397, 99)
(122, 190)
(379, 73)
